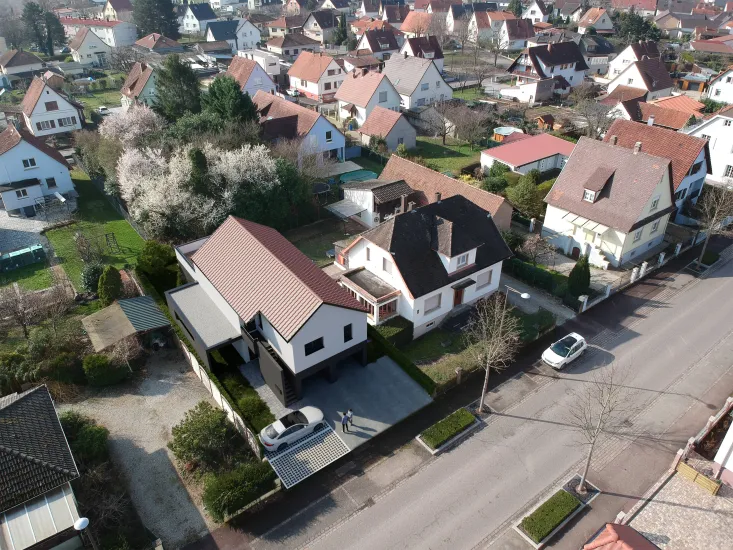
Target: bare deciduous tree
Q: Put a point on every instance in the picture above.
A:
(594, 114)
(442, 121)
(461, 30)
(439, 30)
(496, 47)
(480, 68)
(712, 208)
(310, 165)
(492, 337)
(471, 124)
(128, 349)
(536, 246)
(19, 306)
(122, 59)
(56, 301)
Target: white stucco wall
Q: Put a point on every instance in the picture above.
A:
(41, 115)
(437, 90)
(259, 80)
(631, 77)
(722, 88)
(719, 133)
(90, 51)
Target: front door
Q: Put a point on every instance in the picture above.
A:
(457, 297)
(576, 253)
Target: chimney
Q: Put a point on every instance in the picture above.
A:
(437, 196)
(403, 201)
(410, 206)
(650, 122)
(637, 147)
(613, 140)
(405, 54)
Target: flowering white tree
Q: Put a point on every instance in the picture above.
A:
(130, 126)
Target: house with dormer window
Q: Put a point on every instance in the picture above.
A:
(610, 203)
(425, 263)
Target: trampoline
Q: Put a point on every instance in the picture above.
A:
(358, 175)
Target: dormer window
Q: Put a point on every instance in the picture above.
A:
(589, 195)
(462, 260)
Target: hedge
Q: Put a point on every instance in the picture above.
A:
(709, 258)
(100, 371)
(449, 427)
(534, 275)
(545, 519)
(398, 331)
(228, 492)
(380, 343)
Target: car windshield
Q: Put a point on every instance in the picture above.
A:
(295, 417)
(562, 347)
(271, 432)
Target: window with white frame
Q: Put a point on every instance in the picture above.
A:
(21, 193)
(589, 195)
(432, 303)
(655, 204)
(655, 227)
(386, 266)
(637, 235)
(29, 163)
(484, 279)
(462, 260)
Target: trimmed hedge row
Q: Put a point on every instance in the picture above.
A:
(398, 331)
(555, 283)
(228, 492)
(449, 427)
(380, 343)
(545, 519)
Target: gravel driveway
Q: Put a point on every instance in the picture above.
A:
(139, 417)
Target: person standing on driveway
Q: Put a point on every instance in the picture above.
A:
(350, 415)
(345, 423)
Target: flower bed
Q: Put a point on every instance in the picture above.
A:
(545, 519)
(452, 425)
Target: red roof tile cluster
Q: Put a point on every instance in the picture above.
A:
(679, 103)
(75, 21)
(359, 88)
(78, 39)
(155, 40)
(11, 137)
(638, 5)
(591, 17)
(310, 66)
(667, 118)
(281, 118)
(417, 22)
(241, 69)
(532, 149)
(136, 80)
(257, 270)
(380, 122)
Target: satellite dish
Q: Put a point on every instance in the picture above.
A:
(81, 524)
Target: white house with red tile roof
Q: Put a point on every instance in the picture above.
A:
(250, 288)
(250, 76)
(31, 171)
(316, 76)
(381, 43)
(598, 19)
(537, 12)
(487, 25)
(718, 131)
(116, 34)
(89, 50)
(632, 53)
(47, 111)
(542, 152)
(157, 43)
(721, 87)
(362, 91)
(417, 24)
(390, 125)
(647, 74)
(139, 87)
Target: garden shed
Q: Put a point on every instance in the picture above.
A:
(139, 315)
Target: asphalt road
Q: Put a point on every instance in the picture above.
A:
(675, 348)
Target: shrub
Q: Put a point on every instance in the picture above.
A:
(154, 258)
(449, 427)
(498, 169)
(226, 493)
(101, 372)
(72, 422)
(534, 275)
(544, 187)
(204, 437)
(709, 258)
(513, 240)
(88, 441)
(545, 519)
(579, 278)
(401, 151)
(90, 275)
(110, 285)
(494, 184)
(248, 402)
(400, 358)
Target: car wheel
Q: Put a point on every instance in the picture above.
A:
(282, 447)
(319, 427)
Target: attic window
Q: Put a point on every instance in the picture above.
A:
(589, 195)
(462, 260)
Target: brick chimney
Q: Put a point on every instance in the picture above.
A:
(650, 122)
(637, 147)
(437, 196)
(613, 140)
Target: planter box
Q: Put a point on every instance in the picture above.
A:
(453, 440)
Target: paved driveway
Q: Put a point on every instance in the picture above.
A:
(139, 417)
(20, 232)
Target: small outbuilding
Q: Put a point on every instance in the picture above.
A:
(542, 152)
(390, 125)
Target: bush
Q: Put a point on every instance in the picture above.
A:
(579, 278)
(154, 258)
(401, 151)
(226, 493)
(398, 331)
(544, 187)
(110, 285)
(513, 240)
(381, 344)
(90, 275)
(494, 184)
(101, 372)
(534, 275)
(204, 438)
(247, 401)
(88, 441)
(498, 169)
(545, 519)
(709, 258)
(449, 427)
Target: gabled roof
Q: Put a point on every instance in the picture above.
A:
(681, 149)
(416, 21)
(668, 118)
(638, 5)
(33, 95)
(288, 22)
(427, 182)
(600, 44)
(591, 17)
(541, 5)
(359, 88)
(712, 47)
(341, 4)
(381, 41)
(569, 9)
(223, 30)
(405, 73)
(11, 137)
(310, 66)
(461, 10)
(620, 94)
(241, 69)
(622, 200)
(257, 270)
(326, 19)
(202, 12)
(721, 73)
(136, 80)
(519, 29)
(155, 41)
(121, 5)
(360, 60)
(383, 191)
(553, 54)
(78, 39)
(654, 73)
(452, 227)
(34, 455)
(380, 122)
(292, 39)
(645, 48)
(532, 149)
(439, 6)
(78, 22)
(395, 14)
(420, 45)
(485, 18)
(281, 118)
(216, 46)
(680, 103)
(18, 58)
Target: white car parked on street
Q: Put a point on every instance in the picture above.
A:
(565, 351)
(291, 427)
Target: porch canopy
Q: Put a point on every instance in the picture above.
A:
(201, 314)
(370, 290)
(585, 223)
(345, 209)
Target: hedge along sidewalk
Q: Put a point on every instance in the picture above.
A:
(378, 343)
(447, 432)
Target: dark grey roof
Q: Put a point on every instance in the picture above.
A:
(454, 225)
(143, 313)
(422, 45)
(461, 10)
(383, 191)
(202, 12)
(34, 455)
(554, 54)
(405, 73)
(224, 30)
(596, 44)
(326, 19)
(381, 41)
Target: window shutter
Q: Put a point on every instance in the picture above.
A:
(38, 125)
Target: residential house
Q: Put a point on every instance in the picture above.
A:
(360, 26)
(368, 9)
(268, 62)
(316, 76)
(239, 33)
(31, 171)
(438, 6)
(597, 52)
(427, 182)
(426, 263)
(196, 18)
(294, 7)
(321, 24)
(537, 12)
(89, 50)
(285, 25)
(690, 158)
(390, 125)
(359, 61)
(718, 131)
(250, 76)
(459, 15)
(116, 34)
(674, 112)
(382, 44)
(416, 24)
(361, 92)
(417, 80)
(624, 101)
(486, 25)
(291, 45)
(648, 74)
(546, 70)
(395, 14)
(542, 152)
(645, 8)
(554, 36)
(54, 80)
(253, 5)
(118, 10)
(721, 87)
(609, 203)
(252, 289)
(139, 86)
(515, 33)
(20, 64)
(338, 5)
(372, 202)
(720, 45)
(212, 53)
(282, 119)
(598, 19)
(426, 47)
(37, 504)
(632, 53)
(570, 12)
(261, 20)
(157, 43)
(47, 111)
(420, 6)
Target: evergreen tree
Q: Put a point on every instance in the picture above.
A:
(525, 197)
(55, 35)
(515, 7)
(227, 100)
(33, 20)
(156, 16)
(110, 285)
(579, 278)
(176, 90)
(340, 35)
(199, 172)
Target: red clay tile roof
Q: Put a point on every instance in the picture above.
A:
(712, 46)
(362, 60)
(292, 39)
(427, 182)
(75, 21)
(646, 5)
(396, 14)
(680, 149)
(310, 66)
(241, 69)
(380, 122)
(515, 136)
(591, 17)
(78, 39)
(359, 88)
(136, 80)
(288, 22)
(532, 149)
(155, 40)
(281, 118)
(623, 93)
(257, 270)
(654, 73)
(416, 22)
(668, 118)
(679, 103)
(15, 58)
(32, 95)
(420, 45)
(12, 137)
(620, 537)
(519, 29)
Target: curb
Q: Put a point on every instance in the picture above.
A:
(452, 441)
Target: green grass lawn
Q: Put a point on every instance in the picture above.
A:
(107, 98)
(31, 277)
(369, 164)
(96, 218)
(316, 247)
(11, 97)
(451, 157)
(469, 94)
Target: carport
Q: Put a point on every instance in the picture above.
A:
(345, 209)
(122, 319)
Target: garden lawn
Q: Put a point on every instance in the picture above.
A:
(451, 157)
(31, 277)
(315, 247)
(469, 94)
(96, 218)
(106, 98)
(369, 164)
(438, 353)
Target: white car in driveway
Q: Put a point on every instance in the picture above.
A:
(291, 427)
(565, 351)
